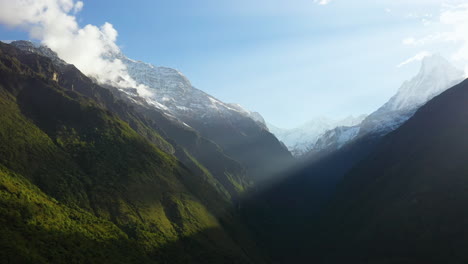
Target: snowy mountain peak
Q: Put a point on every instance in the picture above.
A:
(435, 76)
(434, 62)
(174, 94)
(156, 77)
(169, 90)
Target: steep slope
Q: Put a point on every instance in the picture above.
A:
(282, 214)
(35, 228)
(230, 126)
(145, 119)
(406, 203)
(95, 166)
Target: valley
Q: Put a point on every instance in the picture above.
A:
(109, 159)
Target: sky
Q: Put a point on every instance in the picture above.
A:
(292, 61)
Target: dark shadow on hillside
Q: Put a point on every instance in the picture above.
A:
(404, 202)
(283, 213)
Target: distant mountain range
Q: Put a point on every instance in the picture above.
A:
(302, 139)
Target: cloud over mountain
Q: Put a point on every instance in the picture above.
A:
(53, 22)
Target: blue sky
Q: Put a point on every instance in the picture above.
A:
(289, 60)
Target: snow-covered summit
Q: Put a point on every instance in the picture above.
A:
(435, 76)
(174, 94)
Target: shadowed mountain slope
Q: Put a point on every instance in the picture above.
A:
(406, 203)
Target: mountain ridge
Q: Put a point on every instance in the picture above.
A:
(229, 126)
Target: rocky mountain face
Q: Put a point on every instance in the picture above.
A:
(93, 174)
(242, 134)
(302, 139)
(335, 138)
(173, 93)
(435, 76)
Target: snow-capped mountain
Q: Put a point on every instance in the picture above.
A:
(301, 139)
(435, 76)
(173, 93)
(241, 133)
(170, 90)
(335, 138)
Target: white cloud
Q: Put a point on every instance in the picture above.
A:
(450, 27)
(322, 2)
(418, 57)
(54, 24)
(78, 6)
(432, 38)
(457, 19)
